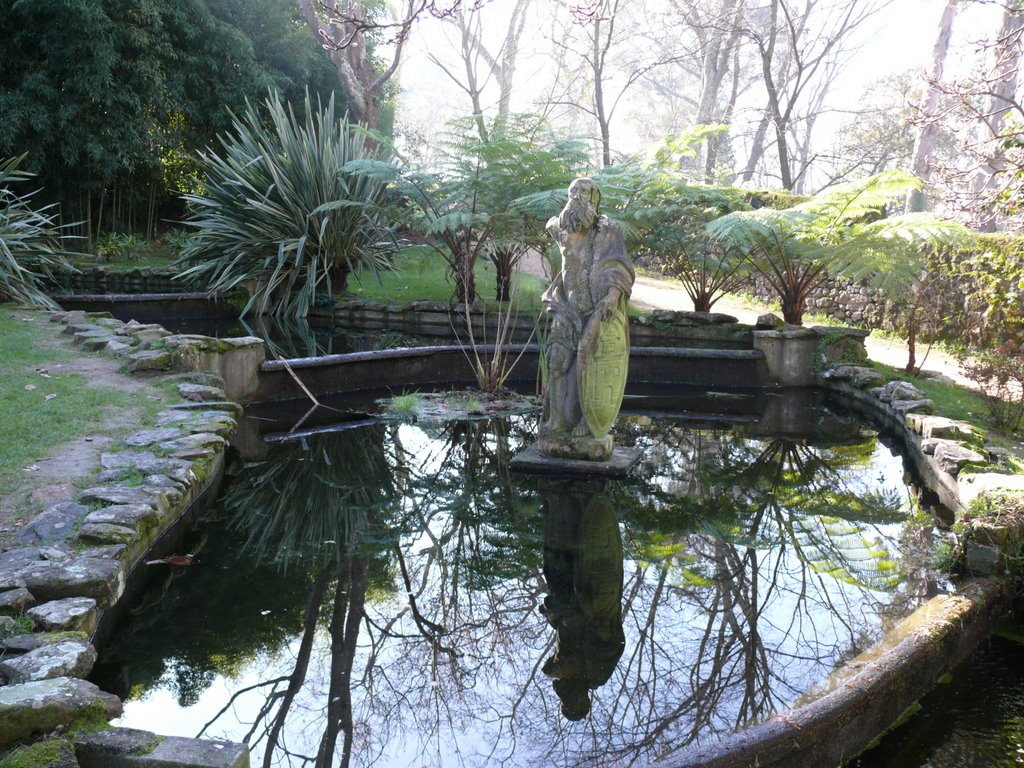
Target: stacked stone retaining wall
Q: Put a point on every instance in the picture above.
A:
(78, 557)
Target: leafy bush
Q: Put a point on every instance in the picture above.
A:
(999, 376)
(116, 245)
(31, 242)
(282, 209)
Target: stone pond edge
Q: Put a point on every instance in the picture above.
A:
(78, 556)
(870, 693)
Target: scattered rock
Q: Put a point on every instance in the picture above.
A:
(952, 456)
(72, 614)
(39, 707)
(72, 657)
(15, 602)
(898, 390)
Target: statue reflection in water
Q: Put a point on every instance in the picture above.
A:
(583, 570)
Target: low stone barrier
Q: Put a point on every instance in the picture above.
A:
(434, 318)
(102, 279)
(79, 556)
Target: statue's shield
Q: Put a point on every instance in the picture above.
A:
(601, 370)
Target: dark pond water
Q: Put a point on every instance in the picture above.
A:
(393, 596)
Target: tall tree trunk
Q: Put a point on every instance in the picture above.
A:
(346, 48)
(757, 147)
(599, 108)
(928, 127)
(1001, 100)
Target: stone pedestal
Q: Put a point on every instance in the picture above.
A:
(618, 464)
(584, 448)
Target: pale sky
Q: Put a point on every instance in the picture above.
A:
(899, 38)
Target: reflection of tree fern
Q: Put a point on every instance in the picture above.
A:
(848, 551)
(310, 496)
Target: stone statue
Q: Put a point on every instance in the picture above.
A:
(588, 342)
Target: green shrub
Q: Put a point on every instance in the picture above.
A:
(281, 209)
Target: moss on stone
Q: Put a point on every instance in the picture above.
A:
(52, 638)
(38, 755)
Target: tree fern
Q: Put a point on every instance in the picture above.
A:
(841, 232)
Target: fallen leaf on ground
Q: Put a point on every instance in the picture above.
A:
(49, 397)
(31, 468)
(30, 387)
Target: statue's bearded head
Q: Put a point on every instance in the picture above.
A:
(580, 212)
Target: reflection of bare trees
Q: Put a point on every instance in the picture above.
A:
(690, 602)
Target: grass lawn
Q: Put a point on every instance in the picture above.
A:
(419, 275)
(54, 394)
(152, 255)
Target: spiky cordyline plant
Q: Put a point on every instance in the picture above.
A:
(280, 209)
(31, 242)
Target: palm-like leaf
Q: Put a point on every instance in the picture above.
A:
(890, 253)
(283, 207)
(31, 242)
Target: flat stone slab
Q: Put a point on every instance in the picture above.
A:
(159, 498)
(72, 614)
(95, 577)
(129, 515)
(148, 437)
(150, 359)
(533, 461)
(39, 707)
(904, 407)
(55, 523)
(898, 390)
(73, 657)
(858, 375)
(131, 748)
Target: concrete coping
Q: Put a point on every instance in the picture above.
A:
(116, 298)
(403, 353)
(868, 694)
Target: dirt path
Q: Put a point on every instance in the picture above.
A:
(52, 477)
(662, 293)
